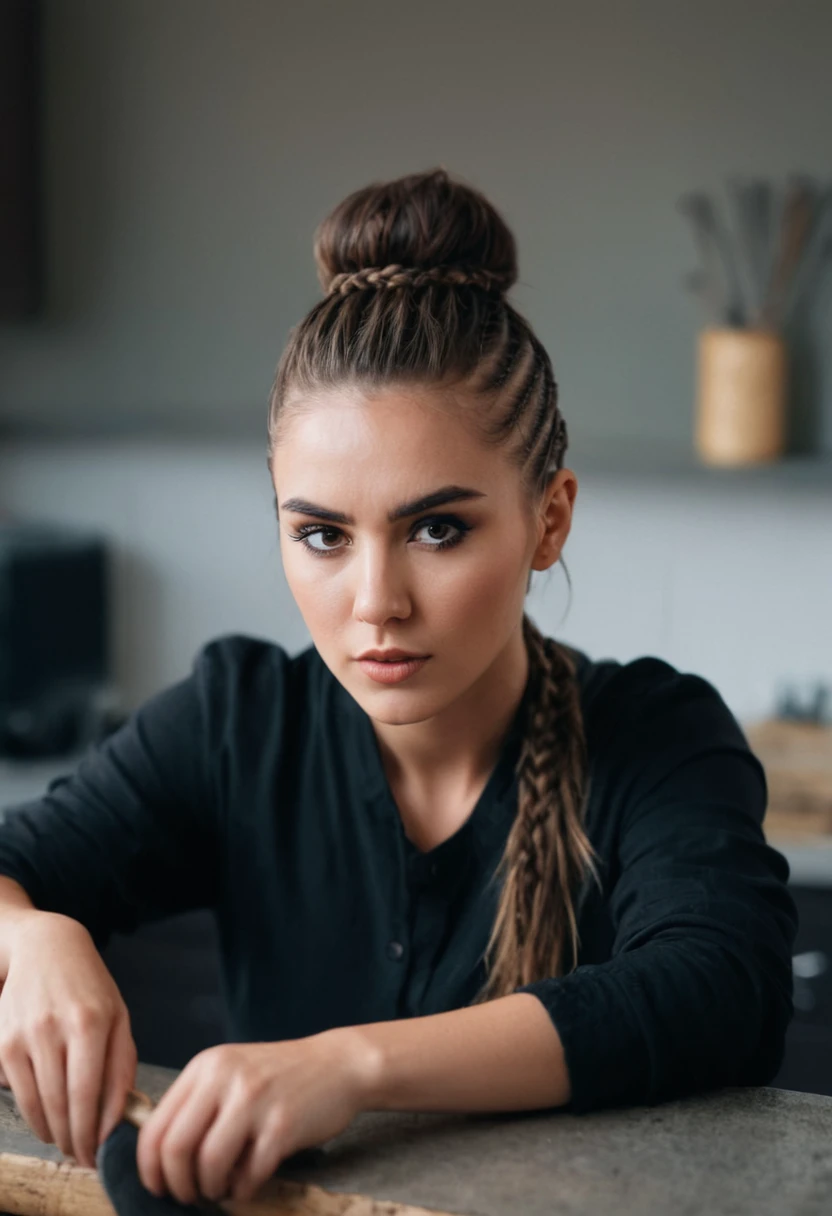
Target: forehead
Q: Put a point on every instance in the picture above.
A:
(398, 435)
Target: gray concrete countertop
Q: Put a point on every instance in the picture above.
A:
(737, 1151)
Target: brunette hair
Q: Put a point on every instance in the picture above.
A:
(415, 273)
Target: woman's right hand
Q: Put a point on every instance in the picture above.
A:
(66, 1047)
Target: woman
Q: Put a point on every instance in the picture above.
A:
(496, 875)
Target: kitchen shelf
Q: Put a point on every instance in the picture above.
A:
(623, 457)
(629, 460)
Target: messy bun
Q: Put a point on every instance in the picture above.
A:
(415, 273)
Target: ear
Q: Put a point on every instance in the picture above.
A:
(555, 518)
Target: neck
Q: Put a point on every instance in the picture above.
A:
(417, 757)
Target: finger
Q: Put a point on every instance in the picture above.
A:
(149, 1144)
(49, 1062)
(19, 1070)
(86, 1053)
(180, 1143)
(268, 1150)
(221, 1148)
(239, 1180)
(119, 1076)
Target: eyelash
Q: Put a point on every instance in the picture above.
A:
(312, 529)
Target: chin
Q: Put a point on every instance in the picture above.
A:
(403, 718)
(397, 706)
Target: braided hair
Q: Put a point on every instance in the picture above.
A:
(415, 273)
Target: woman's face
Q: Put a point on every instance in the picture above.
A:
(448, 581)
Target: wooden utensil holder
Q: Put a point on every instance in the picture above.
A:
(741, 403)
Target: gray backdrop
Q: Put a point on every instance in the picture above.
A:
(191, 146)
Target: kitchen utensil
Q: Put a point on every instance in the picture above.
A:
(753, 211)
(817, 252)
(706, 280)
(795, 226)
(722, 285)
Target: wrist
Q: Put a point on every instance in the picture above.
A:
(361, 1061)
(35, 920)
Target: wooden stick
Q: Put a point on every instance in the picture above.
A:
(32, 1186)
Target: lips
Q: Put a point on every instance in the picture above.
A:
(392, 672)
(399, 658)
(389, 656)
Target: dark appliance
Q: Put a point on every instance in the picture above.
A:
(54, 638)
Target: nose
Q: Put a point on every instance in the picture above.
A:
(381, 591)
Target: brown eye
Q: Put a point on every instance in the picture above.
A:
(431, 528)
(323, 550)
(325, 534)
(460, 528)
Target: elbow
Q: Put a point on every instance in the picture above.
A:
(749, 1048)
(764, 1056)
(736, 1007)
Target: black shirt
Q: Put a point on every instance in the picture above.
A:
(255, 787)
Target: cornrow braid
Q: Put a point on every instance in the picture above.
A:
(410, 233)
(547, 853)
(396, 275)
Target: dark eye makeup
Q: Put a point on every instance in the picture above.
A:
(434, 521)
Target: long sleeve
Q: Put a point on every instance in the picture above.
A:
(131, 835)
(698, 991)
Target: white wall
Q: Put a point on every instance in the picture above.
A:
(731, 578)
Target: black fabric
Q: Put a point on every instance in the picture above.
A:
(255, 787)
(119, 1171)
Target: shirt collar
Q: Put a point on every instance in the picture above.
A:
(491, 819)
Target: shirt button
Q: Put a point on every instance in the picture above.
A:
(395, 950)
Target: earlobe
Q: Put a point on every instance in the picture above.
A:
(555, 520)
(548, 548)
(545, 557)
(550, 541)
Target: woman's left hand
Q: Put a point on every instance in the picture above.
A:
(238, 1109)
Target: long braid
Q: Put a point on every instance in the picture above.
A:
(547, 851)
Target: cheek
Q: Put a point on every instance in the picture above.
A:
(315, 594)
(488, 589)
(319, 600)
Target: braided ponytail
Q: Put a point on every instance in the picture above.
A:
(547, 851)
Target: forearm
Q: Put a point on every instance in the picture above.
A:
(502, 1055)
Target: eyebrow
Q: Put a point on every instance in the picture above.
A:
(436, 499)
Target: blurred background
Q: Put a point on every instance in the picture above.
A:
(164, 168)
